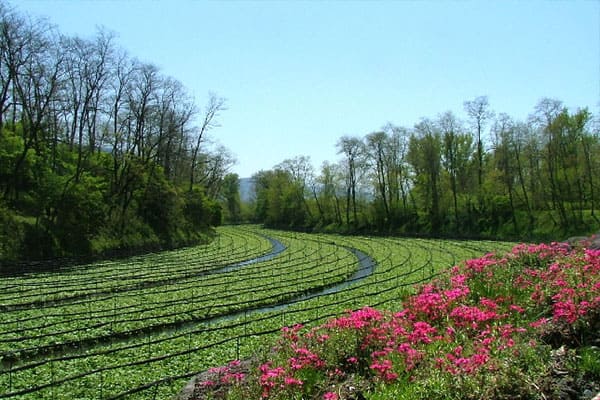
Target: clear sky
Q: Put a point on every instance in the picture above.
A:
(299, 75)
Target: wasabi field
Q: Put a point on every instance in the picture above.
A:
(141, 327)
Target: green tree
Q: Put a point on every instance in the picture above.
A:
(279, 199)
(424, 155)
(230, 191)
(456, 159)
(328, 186)
(505, 161)
(301, 172)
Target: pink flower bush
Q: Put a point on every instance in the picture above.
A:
(473, 319)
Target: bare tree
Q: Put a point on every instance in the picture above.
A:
(215, 165)
(381, 151)
(353, 150)
(452, 143)
(13, 38)
(479, 112)
(209, 120)
(141, 105)
(519, 144)
(398, 170)
(87, 72)
(546, 112)
(37, 75)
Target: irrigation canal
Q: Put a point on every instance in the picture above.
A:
(366, 267)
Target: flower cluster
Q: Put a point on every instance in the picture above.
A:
(226, 375)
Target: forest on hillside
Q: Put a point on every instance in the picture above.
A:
(489, 176)
(99, 151)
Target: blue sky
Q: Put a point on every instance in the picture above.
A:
(299, 75)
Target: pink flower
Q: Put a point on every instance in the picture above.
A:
(477, 265)
(467, 315)
(323, 338)
(458, 280)
(305, 358)
(565, 310)
(233, 377)
(357, 319)
(489, 304)
(422, 332)
(411, 355)
(217, 370)
(540, 322)
(291, 334)
(514, 307)
(456, 293)
(291, 381)
(390, 376)
(458, 328)
(384, 370)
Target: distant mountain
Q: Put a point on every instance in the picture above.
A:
(246, 189)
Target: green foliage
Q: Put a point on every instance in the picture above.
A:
(201, 211)
(38, 243)
(589, 361)
(12, 234)
(77, 213)
(279, 200)
(230, 192)
(160, 207)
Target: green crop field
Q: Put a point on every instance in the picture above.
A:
(141, 327)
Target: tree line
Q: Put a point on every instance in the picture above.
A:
(98, 150)
(487, 176)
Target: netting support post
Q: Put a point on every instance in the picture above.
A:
(52, 379)
(101, 385)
